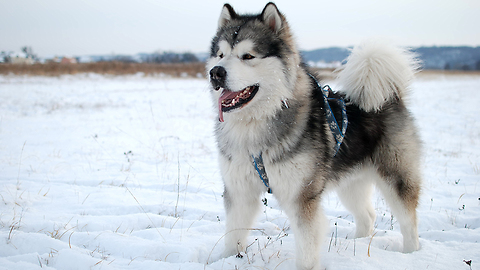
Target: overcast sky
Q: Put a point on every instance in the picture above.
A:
(66, 27)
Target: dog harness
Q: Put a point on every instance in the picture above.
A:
(338, 133)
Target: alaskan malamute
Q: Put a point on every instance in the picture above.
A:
(275, 132)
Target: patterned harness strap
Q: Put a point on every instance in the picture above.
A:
(260, 168)
(337, 131)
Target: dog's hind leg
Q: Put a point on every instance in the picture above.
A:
(402, 195)
(356, 195)
(401, 188)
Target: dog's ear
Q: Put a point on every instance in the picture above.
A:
(272, 17)
(228, 14)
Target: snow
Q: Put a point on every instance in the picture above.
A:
(121, 172)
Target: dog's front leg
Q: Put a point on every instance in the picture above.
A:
(241, 205)
(308, 224)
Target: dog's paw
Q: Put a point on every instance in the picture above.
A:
(411, 246)
(230, 252)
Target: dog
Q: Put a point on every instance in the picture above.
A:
(275, 132)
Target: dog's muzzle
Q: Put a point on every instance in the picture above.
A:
(218, 77)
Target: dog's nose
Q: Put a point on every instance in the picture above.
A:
(218, 75)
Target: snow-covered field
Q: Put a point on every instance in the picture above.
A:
(100, 172)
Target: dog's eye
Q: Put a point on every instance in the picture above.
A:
(247, 56)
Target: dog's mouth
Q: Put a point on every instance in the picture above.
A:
(233, 100)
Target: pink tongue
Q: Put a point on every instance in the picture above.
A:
(226, 94)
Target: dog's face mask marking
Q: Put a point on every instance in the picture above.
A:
(239, 59)
(235, 92)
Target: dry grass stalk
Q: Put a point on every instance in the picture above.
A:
(107, 68)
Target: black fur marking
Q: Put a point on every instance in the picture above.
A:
(317, 124)
(367, 132)
(361, 139)
(266, 41)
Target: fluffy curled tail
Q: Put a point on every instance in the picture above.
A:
(376, 73)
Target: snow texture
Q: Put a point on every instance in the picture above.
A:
(121, 172)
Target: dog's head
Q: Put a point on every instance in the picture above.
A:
(252, 62)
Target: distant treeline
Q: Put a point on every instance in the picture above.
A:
(158, 58)
(28, 57)
(450, 58)
(437, 58)
(440, 58)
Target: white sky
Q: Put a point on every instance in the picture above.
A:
(67, 27)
